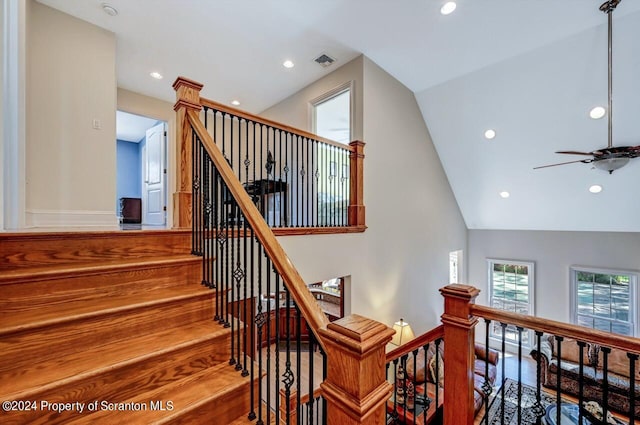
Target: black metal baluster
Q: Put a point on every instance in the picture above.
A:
(298, 364)
(288, 377)
(298, 186)
(261, 320)
(232, 281)
(193, 197)
(395, 388)
(538, 410)
(224, 139)
(282, 201)
(278, 332)
(316, 175)
(324, 378)
(487, 389)
(311, 372)
(334, 204)
(633, 358)
(425, 395)
(303, 173)
(288, 167)
(308, 169)
(519, 329)
(245, 300)
(581, 346)
(437, 384)
(252, 413)
(217, 206)
(415, 383)
(605, 382)
(268, 370)
(504, 377)
(559, 340)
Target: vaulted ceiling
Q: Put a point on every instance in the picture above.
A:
(530, 70)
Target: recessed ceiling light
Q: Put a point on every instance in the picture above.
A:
(448, 7)
(235, 102)
(504, 194)
(597, 112)
(108, 9)
(288, 64)
(596, 188)
(489, 134)
(156, 75)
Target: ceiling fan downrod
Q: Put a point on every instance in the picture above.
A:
(608, 7)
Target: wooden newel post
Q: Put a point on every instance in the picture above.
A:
(459, 336)
(356, 388)
(187, 97)
(356, 211)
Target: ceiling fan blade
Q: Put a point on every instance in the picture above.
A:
(585, 161)
(575, 153)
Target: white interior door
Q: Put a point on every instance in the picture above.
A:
(154, 177)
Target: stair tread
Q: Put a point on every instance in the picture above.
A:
(185, 394)
(94, 360)
(12, 275)
(21, 320)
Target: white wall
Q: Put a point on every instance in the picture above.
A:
(71, 80)
(400, 262)
(553, 253)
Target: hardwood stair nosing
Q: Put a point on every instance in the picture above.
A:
(29, 393)
(53, 271)
(43, 324)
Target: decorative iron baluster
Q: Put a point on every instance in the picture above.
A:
(605, 382)
(268, 369)
(252, 413)
(298, 363)
(487, 389)
(519, 329)
(537, 408)
(559, 340)
(633, 358)
(581, 346)
(437, 384)
(311, 380)
(277, 350)
(426, 400)
(504, 376)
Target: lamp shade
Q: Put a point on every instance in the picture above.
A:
(404, 333)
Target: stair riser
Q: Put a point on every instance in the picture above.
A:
(32, 295)
(22, 350)
(125, 383)
(34, 250)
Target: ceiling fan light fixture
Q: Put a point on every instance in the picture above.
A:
(610, 164)
(597, 112)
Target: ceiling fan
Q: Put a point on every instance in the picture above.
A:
(610, 158)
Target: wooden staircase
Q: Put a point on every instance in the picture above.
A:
(116, 324)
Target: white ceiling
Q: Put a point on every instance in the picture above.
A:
(530, 69)
(131, 127)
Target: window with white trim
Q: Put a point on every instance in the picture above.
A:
(604, 300)
(511, 288)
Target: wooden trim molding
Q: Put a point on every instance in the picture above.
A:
(566, 330)
(459, 335)
(356, 388)
(356, 211)
(248, 116)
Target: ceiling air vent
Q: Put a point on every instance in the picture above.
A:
(324, 60)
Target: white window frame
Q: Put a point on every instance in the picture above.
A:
(634, 314)
(531, 296)
(337, 91)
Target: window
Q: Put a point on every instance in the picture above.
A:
(511, 289)
(604, 300)
(455, 266)
(331, 119)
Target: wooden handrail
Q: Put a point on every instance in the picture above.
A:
(628, 344)
(414, 344)
(310, 309)
(249, 116)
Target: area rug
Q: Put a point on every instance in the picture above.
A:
(527, 404)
